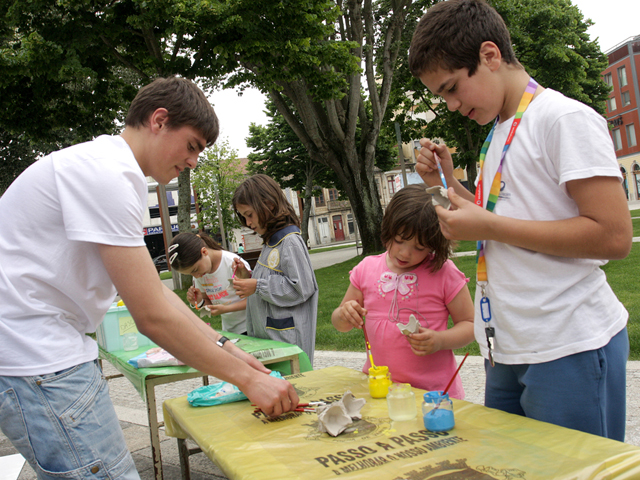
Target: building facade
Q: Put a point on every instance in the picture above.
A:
(622, 75)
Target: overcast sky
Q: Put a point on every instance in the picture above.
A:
(614, 21)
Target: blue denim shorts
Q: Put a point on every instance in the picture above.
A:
(585, 391)
(65, 425)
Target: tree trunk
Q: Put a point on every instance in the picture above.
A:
(184, 210)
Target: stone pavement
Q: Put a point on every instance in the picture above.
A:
(131, 411)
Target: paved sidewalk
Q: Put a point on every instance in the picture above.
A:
(131, 411)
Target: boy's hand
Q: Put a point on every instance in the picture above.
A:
(426, 165)
(352, 312)
(272, 395)
(245, 287)
(465, 220)
(425, 342)
(240, 269)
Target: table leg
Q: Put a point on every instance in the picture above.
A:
(295, 364)
(183, 454)
(152, 415)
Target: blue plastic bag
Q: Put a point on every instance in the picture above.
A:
(219, 393)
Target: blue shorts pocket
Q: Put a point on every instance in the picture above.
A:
(280, 323)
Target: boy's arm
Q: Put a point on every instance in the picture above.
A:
(601, 230)
(164, 318)
(350, 312)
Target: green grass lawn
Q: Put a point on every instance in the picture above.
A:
(334, 280)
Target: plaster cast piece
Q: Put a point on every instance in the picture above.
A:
(337, 416)
(353, 405)
(439, 196)
(413, 326)
(333, 419)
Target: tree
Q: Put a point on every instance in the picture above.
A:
(283, 157)
(16, 154)
(220, 170)
(334, 63)
(550, 40)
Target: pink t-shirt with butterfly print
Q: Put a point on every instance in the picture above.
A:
(390, 298)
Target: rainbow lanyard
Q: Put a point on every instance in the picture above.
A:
(495, 186)
(485, 307)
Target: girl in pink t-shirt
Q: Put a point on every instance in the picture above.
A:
(414, 278)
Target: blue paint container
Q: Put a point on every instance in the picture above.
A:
(437, 412)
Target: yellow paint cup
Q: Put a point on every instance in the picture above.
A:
(379, 381)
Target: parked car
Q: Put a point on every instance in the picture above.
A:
(161, 263)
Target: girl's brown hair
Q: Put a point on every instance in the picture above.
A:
(411, 214)
(264, 195)
(185, 249)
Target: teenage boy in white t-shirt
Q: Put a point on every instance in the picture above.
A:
(71, 238)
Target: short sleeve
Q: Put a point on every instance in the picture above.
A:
(453, 280)
(102, 200)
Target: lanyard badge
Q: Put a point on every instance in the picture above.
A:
(494, 193)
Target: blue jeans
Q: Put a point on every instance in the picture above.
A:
(65, 425)
(585, 391)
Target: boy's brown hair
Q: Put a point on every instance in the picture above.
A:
(450, 34)
(264, 195)
(410, 214)
(186, 103)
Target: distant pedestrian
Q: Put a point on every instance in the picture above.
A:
(240, 248)
(282, 293)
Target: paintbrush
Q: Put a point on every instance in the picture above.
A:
(366, 340)
(444, 182)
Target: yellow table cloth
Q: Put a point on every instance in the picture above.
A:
(485, 443)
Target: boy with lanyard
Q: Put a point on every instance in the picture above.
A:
(549, 211)
(71, 237)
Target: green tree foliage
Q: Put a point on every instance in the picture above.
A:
(550, 40)
(16, 154)
(333, 62)
(218, 168)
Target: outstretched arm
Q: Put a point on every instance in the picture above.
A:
(164, 318)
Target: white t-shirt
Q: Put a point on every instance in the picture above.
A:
(546, 307)
(53, 284)
(220, 291)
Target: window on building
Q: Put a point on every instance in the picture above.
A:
(391, 184)
(607, 79)
(631, 135)
(350, 224)
(617, 139)
(626, 98)
(622, 76)
(611, 103)
(333, 194)
(320, 200)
